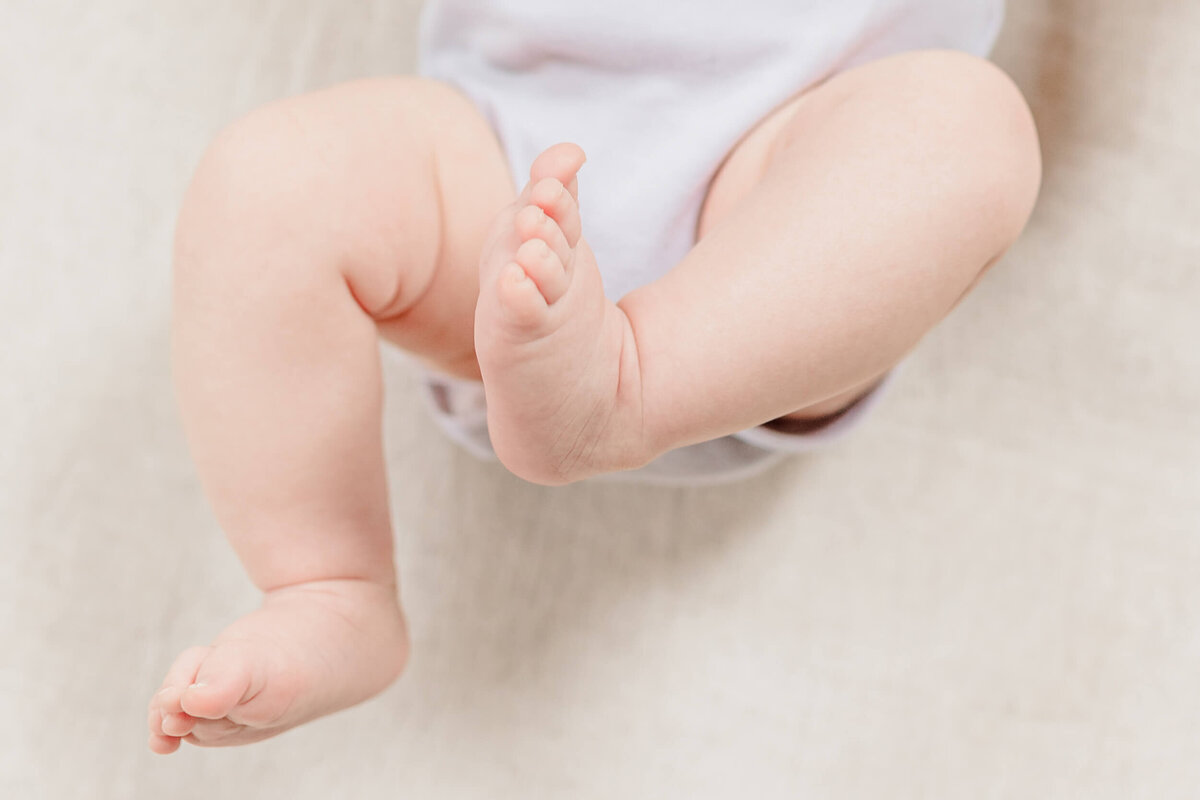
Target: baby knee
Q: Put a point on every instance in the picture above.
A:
(992, 141)
(244, 179)
(257, 202)
(958, 120)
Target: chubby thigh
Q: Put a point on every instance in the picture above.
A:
(836, 235)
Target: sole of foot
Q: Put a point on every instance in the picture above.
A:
(559, 360)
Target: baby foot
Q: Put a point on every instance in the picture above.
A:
(558, 359)
(311, 649)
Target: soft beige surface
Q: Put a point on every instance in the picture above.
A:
(992, 592)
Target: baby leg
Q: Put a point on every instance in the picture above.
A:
(837, 234)
(311, 227)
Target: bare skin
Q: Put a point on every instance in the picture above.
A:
(837, 233)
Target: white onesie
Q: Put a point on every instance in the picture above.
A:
(657, 92)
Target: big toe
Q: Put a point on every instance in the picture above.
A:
(560, 161)
(223, 680)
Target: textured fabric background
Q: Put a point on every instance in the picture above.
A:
(991, 592)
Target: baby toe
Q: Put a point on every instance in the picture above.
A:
(222, 681)
(166, 701)
(533, 223)
(543, 268)
(552, 197)
(177, 724)
(181, 673)
(162, 745)
(154, 720)
(522, 302)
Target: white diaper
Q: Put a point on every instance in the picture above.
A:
(657, 93)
